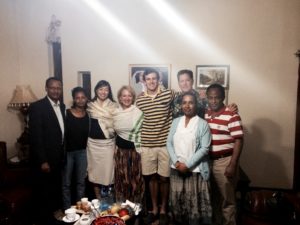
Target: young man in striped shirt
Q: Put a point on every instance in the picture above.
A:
(156, 106)
(227, 143)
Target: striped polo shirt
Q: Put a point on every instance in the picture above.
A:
(157, 117)
(225, 127)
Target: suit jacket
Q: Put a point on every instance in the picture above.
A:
(46, 142)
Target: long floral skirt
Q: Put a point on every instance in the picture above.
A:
(190, 198)
(129, 182)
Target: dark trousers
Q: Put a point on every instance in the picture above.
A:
(47, 197)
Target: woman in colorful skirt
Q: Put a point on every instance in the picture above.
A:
(188, 145)
(129, 183)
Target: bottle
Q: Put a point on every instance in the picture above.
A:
(110, 196)
(104, 198)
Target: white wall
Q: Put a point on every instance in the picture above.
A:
(257, 39)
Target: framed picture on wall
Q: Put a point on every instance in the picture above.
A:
(209, 74)
(136, 72)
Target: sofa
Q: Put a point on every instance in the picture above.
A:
(271, 207)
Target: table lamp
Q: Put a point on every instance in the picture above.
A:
(23, 96)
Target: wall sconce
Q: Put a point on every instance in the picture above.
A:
(23, 96)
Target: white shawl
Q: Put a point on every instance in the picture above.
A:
(104, 115)
(127, 124)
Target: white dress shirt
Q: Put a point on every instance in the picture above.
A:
(185, 140)
(56, 107)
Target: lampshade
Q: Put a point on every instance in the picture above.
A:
(22, 97)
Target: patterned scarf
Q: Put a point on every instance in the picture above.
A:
(127, 124)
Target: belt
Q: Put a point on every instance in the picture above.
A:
(219, 156)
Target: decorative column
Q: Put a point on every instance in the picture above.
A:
(296, 185)
(54, 45)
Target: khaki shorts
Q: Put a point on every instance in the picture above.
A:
(155, 160)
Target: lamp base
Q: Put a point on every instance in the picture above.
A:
(23, 151)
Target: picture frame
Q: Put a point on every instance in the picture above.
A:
(209, 74)
(136, 72)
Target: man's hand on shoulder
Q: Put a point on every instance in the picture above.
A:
(233, 108)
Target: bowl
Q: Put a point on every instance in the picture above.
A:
(109, 220)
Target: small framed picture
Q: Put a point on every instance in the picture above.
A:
(136, 72)
(210, 74)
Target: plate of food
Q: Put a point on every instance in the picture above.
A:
(109, 220)
(85, 220)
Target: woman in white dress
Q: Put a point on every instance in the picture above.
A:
(101, 141)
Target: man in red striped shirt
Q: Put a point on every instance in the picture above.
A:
(227, 142)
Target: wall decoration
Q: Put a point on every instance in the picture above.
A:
(84, 81)
(136, 72)
(209, 74)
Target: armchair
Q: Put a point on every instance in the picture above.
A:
(15, 191)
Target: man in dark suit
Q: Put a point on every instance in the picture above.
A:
(46, 129)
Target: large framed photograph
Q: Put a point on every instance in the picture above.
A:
(210, 74)
(136, 72)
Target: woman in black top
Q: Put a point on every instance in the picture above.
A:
(76, 134)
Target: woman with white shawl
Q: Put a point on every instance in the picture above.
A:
(129, 182)
(101, 141)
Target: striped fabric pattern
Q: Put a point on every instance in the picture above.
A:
(157, 118)
(225, 128)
